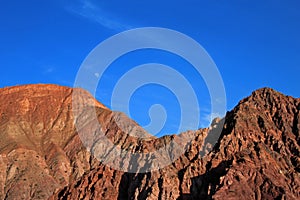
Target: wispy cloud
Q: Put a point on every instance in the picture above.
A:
(47, 69)
(95, 13)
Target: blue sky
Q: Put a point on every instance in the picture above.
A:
(254, 44)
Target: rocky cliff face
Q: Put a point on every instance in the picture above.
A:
(42, 155)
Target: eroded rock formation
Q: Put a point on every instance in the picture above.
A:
(42, 155)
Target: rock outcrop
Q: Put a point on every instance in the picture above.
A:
(44, 156)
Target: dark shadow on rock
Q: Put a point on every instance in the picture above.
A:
(130, 182)
(205, 186)
(214, 136)
(124, 186)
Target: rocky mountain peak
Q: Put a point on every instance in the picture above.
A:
(43, 156)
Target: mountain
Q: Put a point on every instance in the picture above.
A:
(43, 155)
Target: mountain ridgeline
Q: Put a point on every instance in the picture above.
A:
(42, 156)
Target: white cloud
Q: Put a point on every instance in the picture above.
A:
(47, 69)
(93, 12)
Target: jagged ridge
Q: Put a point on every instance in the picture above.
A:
(41, 154)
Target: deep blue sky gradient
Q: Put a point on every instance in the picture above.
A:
(254, 44)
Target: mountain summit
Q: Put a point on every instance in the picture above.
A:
(43, 155)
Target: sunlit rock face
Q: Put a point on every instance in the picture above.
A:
(42, 155)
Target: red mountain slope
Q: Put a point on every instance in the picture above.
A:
(42, 156)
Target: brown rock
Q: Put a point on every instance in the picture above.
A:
(42, 156)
